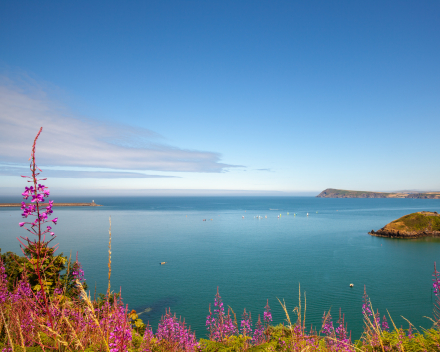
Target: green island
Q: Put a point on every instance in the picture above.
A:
(415, 225)
(342, 193)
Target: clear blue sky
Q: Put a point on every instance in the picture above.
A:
(222, 95)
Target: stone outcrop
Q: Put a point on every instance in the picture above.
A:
(415, 225)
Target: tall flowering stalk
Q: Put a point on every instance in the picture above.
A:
(267, 318)
(37, 250)
(219, 325)
(246, 324)
(344, 340)
(258, 337)
(366, 305)
(436, 287)
(327, 326)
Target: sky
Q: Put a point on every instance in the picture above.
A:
(221, 97)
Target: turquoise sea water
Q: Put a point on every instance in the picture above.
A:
(249, 259)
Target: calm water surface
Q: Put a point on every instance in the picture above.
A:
(249, 259)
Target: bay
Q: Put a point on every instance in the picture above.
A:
(249, 259)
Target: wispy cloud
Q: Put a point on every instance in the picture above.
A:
(68, 140)
(263, 169)
(10, 170)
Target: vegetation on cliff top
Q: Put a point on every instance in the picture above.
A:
(421, 221)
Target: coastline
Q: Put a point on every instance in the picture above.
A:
(403, 234)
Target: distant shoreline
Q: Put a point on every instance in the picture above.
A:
(54, 204)
(342, 193)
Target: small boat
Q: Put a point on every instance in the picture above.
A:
(162, 263)
(351, 285)
(307, 214)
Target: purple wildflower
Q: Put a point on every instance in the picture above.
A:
(246, 324)
(410, 332)
(267, 317)
(366, 306)
(258, 337)
(327, 325)
(219, 325)
(436, 280)
(385, 324)
(173, 334)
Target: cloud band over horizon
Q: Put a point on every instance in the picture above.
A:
(71, 141)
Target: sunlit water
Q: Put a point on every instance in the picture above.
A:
(249, 259)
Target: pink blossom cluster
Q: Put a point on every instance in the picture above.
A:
(172, 334)
(38, 194)
(258, 337)
(246, 324)
(220, 326)
(120, 336)
(436, 280)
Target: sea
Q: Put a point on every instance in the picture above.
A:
(253, 250)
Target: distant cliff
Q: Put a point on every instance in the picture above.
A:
(415, 225)
(342, 193)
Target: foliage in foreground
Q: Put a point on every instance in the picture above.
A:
(44, 307)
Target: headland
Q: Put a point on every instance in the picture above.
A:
(415, 225)
(342, 193)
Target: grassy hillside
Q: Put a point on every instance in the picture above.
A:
(421, 221)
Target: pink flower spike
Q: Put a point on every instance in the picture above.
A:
(21, 224)
(55, 221)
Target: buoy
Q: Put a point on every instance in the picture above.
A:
(162, 263)
(351, 285)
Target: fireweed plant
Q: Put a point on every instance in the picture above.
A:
(44, 310)
(37, 250)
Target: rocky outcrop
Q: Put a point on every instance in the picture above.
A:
(403, 234)
(415, 225)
